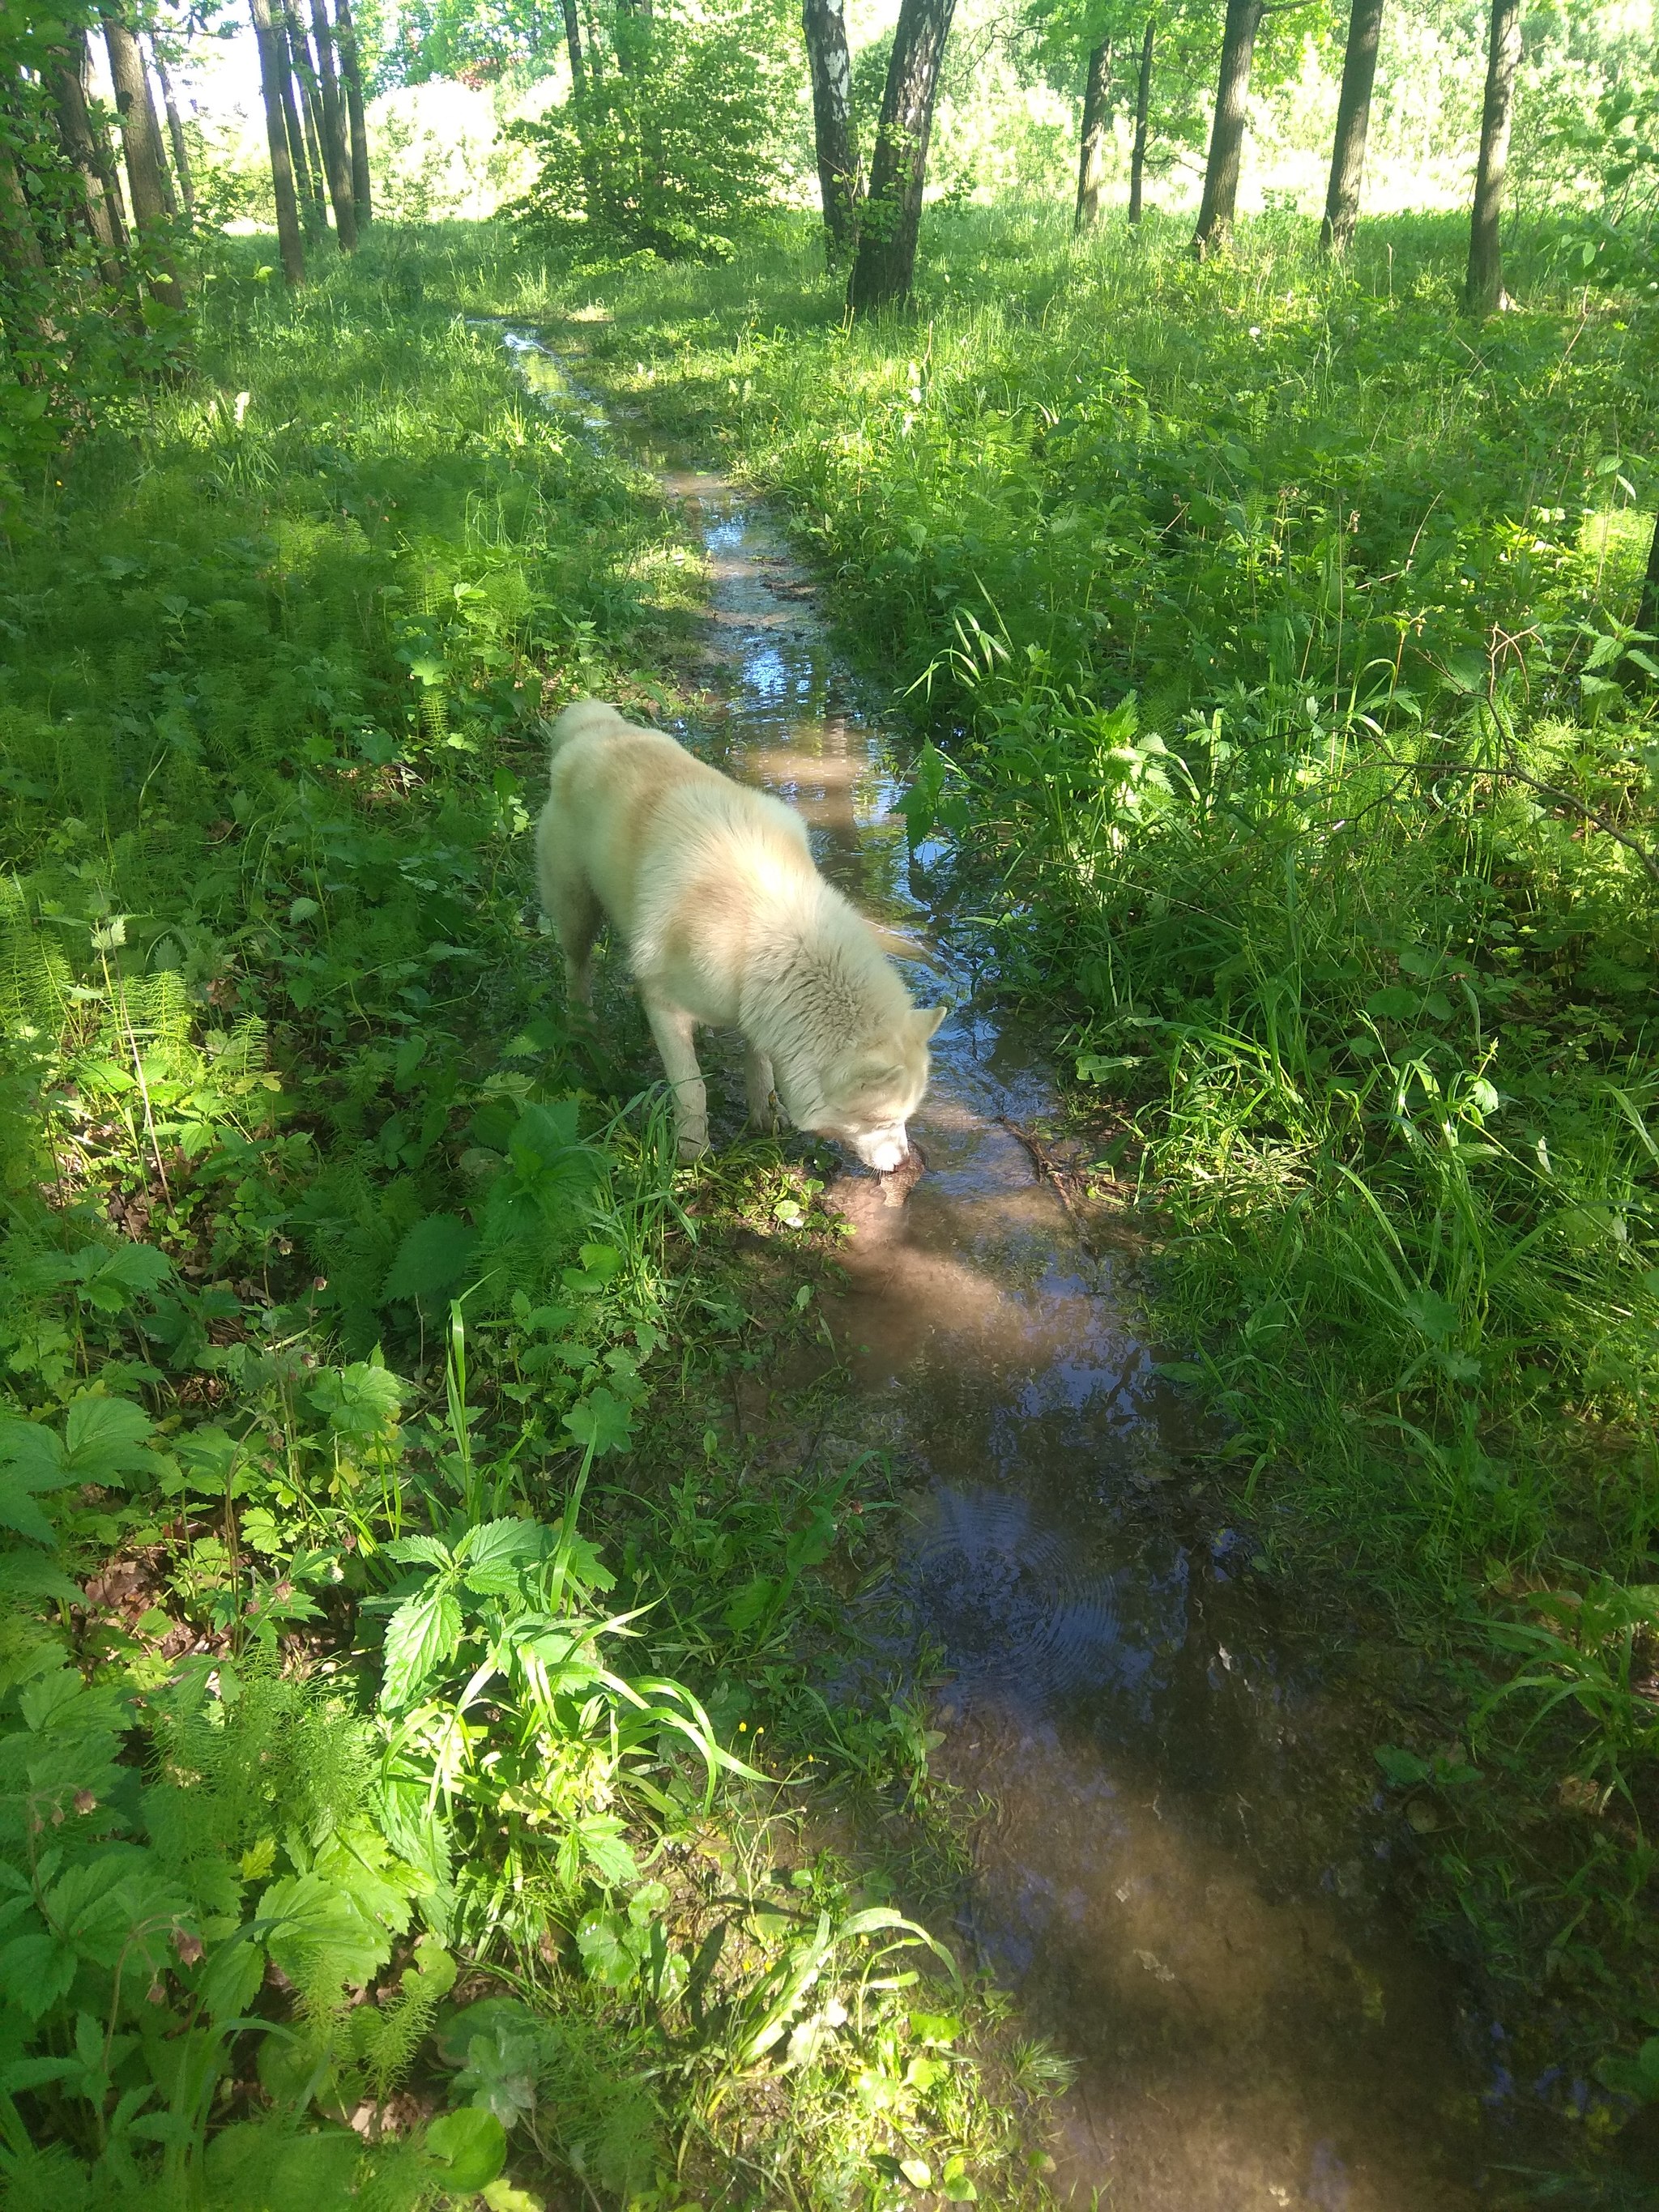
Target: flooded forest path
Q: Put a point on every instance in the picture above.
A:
(1184, 1876)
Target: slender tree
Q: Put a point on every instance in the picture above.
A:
(886, 258)
(351, 76)
(175, 131)
(1143, 104)
(1354, 116)
(336, 161)
(273, 79)
(1097, 129)
(1221, 171)
(302, 112)
(141, 142)
(824, 22)
(1483, 287)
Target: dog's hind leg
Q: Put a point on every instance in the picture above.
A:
(575, 915)
(757, 1084)
(675, 1032)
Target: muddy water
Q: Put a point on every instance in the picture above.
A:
(1178, 1874)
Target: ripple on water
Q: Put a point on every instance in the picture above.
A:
(1015, 1615)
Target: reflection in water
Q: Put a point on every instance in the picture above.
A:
(1168, 1876)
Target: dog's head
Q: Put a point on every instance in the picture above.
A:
(870, 1095)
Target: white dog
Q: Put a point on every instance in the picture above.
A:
(712, 886)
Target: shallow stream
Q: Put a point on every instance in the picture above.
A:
(1183, 1878)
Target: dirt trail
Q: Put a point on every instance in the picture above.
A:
(1184, 1876)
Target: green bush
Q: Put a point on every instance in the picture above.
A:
(672, 148)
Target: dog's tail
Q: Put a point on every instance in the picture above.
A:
(582, 718)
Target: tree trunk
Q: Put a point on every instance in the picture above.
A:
(1143, 103)
(22, 257)
(362, 197)
(65, 80)
(1091, 148)
(886, 258)
(1354, 116)
(274, 83)
(141, 141)
(1220, 205)
(825, 24)
(336, 161)
(1483, 288)
(573, 40)
(176, 133)
(302, 112)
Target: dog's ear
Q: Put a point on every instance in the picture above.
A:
(927, 1018)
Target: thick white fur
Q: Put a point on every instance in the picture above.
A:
(712, 889)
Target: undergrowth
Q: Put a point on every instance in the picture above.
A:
(409, 1672)
(1271, 631)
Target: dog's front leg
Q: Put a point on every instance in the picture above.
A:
(757, 1084)
(675, 1032)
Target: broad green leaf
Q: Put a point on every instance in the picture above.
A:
(605, 1851)
(36, 1970)
(111, 1280)
(601, 1419)
(362, 1401)
(315, 1924)
(469, 2147)
(497, 1552)
(421, 1637)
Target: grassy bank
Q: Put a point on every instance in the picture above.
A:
(1269, 625)
(410, 1648)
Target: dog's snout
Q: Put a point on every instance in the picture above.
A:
(884, 1150)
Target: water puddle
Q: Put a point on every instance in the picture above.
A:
(1179, 1873)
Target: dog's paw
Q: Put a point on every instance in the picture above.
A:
(692, 1149)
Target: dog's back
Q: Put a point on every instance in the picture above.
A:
(653, 829)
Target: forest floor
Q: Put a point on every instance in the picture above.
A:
(355, 1315)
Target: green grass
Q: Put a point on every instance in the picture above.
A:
(1269, 623)
(407, 1664)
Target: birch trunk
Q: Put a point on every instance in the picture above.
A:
(824, 22)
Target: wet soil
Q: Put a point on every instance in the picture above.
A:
(1184, 1872)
